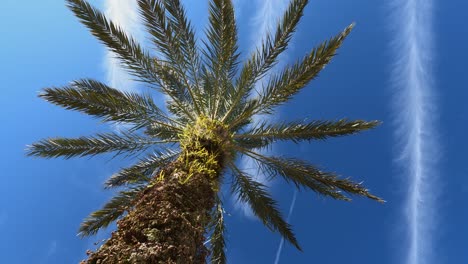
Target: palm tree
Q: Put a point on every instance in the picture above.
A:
(168, 206)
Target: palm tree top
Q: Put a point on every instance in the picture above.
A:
(212, 98)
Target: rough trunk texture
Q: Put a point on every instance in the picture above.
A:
(167, 223)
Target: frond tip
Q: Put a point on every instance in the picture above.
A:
(265, 58)
(263, 134)
(97, 99)
(282, 87)
(142, 171)
(303, 174)
(111, 211)
(263, 206)
(90, 146)
(217, 242)
(131, 54)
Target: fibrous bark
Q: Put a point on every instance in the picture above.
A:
(166, 225)
(168, 220)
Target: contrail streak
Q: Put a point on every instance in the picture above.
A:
(291, 208)
(415, 123)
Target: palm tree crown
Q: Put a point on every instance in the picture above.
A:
(211, 100)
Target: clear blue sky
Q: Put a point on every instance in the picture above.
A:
(42, 202)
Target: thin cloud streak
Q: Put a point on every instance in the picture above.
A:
(267, 17)
(415, 122)
(291, 208)
(52, 248)
(51, 251)
(124, 13)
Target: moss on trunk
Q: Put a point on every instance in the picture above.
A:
(168, 221)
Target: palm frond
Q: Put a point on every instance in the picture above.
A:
(251, 143)
(263, 134)
(133, 56)
(208, 82)
(306, 175)
(281, 87)
(188, 45)
(142, 171)
(221, 50)
(127, 49)
(265, 58)
(153, 13)
(243, 114)
(162, 131)
(169, 35)
(111, 211)
(263, 206)
(97, 99)
(85, 146)
(217, 241)
(186, 37)
(178, 109)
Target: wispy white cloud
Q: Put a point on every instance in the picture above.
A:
(265, 21)
(52, 248)
(291, 209)
(125, 14)
(416, 120)
(49, 252)
(266, 18)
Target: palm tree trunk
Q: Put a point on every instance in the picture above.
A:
(167, 223)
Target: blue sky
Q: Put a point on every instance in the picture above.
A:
(42, 202)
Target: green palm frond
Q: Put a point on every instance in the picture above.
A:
(306, 175)
(162, 131)
(266, 57)
(263, 134)
(153, 13)
(172, 33)
(85, 146)
(186, 36)
(221, 51)
(111, 211)
(97, 99)
(142, 171)
(263, 206)
(281, 87)
(126, 48)
(133, 56)
(168, 39)
(243, 115)
(208, 82)
(217, 241)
